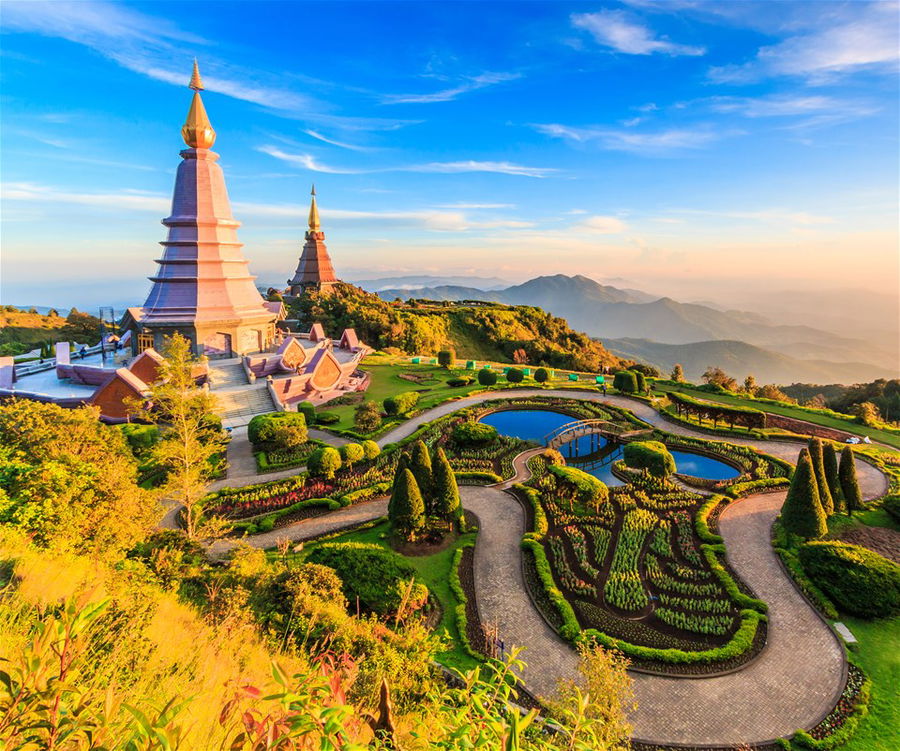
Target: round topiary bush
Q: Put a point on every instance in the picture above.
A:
(650, 455)
(327, 418)
(514, 375)
(487, 377)
(858, 580)
(456, 382)
(276, 430)
(541, 375)
(375, 575)
(401, 403)
(473, 433)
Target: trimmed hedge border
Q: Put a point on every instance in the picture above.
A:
(462, 622)
(477, 478)
(364, 494)
(266, 522)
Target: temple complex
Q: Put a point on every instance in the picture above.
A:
(314, 271)
(203, 288)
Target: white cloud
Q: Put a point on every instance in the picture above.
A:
(851, 37)
(472, 83)
(780, 216)
(476, 206)
(602, 225)
(341, 144)
(657, 142)
(617, 30)
(132, 200)
(775, 106)
(307, 161)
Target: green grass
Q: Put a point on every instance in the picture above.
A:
(787, 410)
(879, 654)
(434, 571)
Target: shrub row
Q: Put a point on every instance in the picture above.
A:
(540, 518)
(590, 490)
(746, 488)
(266, 523)
(365, 494)
(570, 627)
(711, 553)
(736, 646)
(701, 521)
(462, 621)
(815, 595)
(477, 478)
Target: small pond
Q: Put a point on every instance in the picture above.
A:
(594, 454)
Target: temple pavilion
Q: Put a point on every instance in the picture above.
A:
(203, 287)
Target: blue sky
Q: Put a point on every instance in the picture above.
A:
(698, 149)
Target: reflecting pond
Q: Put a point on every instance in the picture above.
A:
(593, 453)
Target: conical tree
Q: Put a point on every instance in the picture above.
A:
(408, 508)
(446, 491)
(815, 455)
(829, 459)
(849, 483)
(420, 464)
(802, 512)
(402, 464)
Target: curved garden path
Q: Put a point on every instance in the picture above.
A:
(792, 684)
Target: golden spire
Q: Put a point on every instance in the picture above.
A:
(197, 131)
(314, 224)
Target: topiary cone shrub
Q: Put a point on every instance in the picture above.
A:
(818, 463)
(802, 513)
(849, 483)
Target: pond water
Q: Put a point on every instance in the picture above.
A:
(593, 453)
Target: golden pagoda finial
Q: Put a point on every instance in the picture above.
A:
(314, 224)
(196, 82)
(197, 131)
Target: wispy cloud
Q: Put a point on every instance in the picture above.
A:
(763, 215)
(852, 37)
(472, 83)
(618, 30)
(639, 142)
(601, 225)
(341, 144)
(307, 161)
(476, 206)
(131, 200)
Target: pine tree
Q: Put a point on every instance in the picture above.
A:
(829, 459)
(818, 463)
(677, 373)
(402, 464)
(802, 512)
(849, 483)
(445, 501)
(408, 515)
(420, 464)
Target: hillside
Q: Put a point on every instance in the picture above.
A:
(740, 359)
(494, 331)
(24, 330)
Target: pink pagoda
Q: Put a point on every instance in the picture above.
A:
(203, 288)
(314, 270)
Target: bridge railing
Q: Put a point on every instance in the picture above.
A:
(583, 427)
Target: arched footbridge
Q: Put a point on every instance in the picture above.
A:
(577, 428)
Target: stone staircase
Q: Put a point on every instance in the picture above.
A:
(237, 406)
(226, 373)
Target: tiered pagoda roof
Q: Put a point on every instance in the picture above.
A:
(314, 271)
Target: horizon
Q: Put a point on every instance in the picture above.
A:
(477, 143)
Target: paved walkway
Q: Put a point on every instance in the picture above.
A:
(792, 684)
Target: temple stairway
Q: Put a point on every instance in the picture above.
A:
(238, 400)
(225, 373)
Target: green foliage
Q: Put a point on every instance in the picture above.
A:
(446, 357)
(457, 382)
(541, 375)
(308, 410)
(487, 377)
(368, 572)
(401, 404)
(590, 491)
(703, 410)
(69, 481)
(420, 465)
(624, 588)
(462, 621)
(406, 509)
(324, 462)
(650, 455)
(515, 375)
(370, 449)
(276, 431)
(858, 580)
(849, 483)
(802, 512)
(445, 493)
(818, 464)
(141, 438)
(830, 463)
(626, 381)
(327, 418)
(351, 453)
(471, 433)
(367, 417)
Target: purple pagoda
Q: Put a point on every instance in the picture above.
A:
(203, 288)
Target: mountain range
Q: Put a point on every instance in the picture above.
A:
(662, 331)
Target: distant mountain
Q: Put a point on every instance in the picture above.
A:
(740, 359)
(407, 283)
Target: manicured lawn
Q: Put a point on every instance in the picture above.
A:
(891, 439)
(434, 571)
(879, 655)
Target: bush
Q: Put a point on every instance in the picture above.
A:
(268, 429)
(472, 433)
(367, 417)
(369, 572)
(351, 453)
(541, 375)
(456, 382)
(446, 358)
(802, 512)
(487, 377)
(401, 404)
(859, 581)
(650, 455)
(140, 437)
(590, 490)
(308, 409)
(370, 449)
(324, 462)
(515, 375)
(327, 418)
(626, 381)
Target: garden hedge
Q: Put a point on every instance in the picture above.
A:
(462, 620)
(261, 429)
(626, 381)
(590, 490)
(365, 494)
(477, 478)
(470, 433)
(856, 579)
(650, 455)
(733, 415)
(401, 404)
